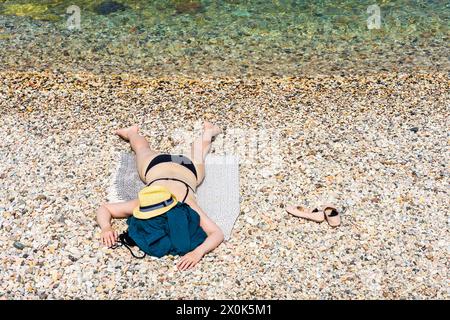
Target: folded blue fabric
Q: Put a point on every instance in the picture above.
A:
(175, 232)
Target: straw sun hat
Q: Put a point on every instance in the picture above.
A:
(154, 201)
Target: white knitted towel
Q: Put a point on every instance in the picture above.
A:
(218, 195)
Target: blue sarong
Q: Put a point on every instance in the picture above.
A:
(175, 232)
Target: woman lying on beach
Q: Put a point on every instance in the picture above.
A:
(158, 223)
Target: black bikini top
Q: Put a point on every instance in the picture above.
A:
(174, 179)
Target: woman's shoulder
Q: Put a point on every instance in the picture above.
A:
(193, 204)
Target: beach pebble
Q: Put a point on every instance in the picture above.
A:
(18, 245)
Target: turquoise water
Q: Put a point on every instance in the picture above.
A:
(226, 38)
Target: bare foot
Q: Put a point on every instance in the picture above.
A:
(123, 133)
(211, 130)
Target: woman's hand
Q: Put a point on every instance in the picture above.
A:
(109, 237)
(189, 260)
(108, 211)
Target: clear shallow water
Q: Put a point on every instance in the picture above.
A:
(226, 38)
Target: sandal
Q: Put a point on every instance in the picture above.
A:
(315, 214)
(331, 215)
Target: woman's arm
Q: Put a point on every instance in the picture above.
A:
(108, 211)
(215, 237)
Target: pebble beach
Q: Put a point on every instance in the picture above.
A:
(325, 101)
(374, 144)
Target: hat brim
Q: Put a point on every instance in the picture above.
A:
(154, 213)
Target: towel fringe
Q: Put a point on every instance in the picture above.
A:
(112, 192)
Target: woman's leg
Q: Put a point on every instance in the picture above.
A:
(140, 146)
(201, 147)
